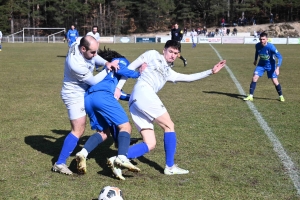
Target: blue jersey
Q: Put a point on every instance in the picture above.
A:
(267, 55)
(102, 107)
(111, 80)
(72, 35)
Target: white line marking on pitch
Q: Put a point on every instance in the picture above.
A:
(278, 148)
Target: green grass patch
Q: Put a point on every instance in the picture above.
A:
(219, 140)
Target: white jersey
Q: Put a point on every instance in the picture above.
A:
(158, 71)
(96, 36)
(77, 71)
(193, 33)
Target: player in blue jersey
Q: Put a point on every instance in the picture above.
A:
(104, 111)
(72, 35)
(267, 63)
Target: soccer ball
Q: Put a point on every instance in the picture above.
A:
(110, 193)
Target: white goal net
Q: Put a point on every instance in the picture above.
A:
(52, 35)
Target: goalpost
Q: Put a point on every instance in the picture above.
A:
(14, 38)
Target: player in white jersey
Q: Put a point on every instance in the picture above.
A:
(146, 107)
(78, 76)
(95, 33)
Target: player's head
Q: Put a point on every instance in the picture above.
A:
(88, 47)
(109, 55)
(263, 37)
(72, 27)
(171, 50)
(95, 29)
(176, 26)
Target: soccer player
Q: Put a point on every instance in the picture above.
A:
(96, 35)
(72, 35)
(104, 111)
(78, 76)
(146, 107)
(267, 63)
(177, 34)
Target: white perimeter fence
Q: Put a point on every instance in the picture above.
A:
(240, 38)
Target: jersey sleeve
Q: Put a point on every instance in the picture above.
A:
(178, 77)
(124, 71)
(277, 55)
(78, 68)
(99, 60)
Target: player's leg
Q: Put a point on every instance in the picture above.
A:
(258, 72)
(274, 78)
(170, 140)
(183, 59)
(77, 117)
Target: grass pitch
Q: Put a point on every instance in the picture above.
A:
(219, 139)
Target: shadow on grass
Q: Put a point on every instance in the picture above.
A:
(52, 146)
(61, 56)
(237, 96)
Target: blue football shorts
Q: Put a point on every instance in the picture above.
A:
(260, 70)
(104, 110)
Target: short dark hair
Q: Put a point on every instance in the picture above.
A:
(263, 34)
(108, 54)
(174, 44)
(84, 43)
(95, 27)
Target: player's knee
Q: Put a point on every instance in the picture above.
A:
(169, 127)
(103, 135)
(151, 145)
(125, 127)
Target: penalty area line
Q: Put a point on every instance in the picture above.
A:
(278, 148)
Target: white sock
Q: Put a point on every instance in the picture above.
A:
(84, 152)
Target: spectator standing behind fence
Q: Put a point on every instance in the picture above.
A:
(271, 18)
(0, 41)
(72, 35)
(223, 22)
(185, 31)
(234, 31)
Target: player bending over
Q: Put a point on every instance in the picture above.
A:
(104, 111)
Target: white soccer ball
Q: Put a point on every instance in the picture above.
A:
(110, 193)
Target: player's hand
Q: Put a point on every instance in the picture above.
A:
(218, 66)
(117, 93)
(277, 71)
(143, 67)
(114, 65)
(254, 63)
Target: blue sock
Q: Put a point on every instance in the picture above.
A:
(68, 147)
(137, 150)
(252, 87)
(93, 142)
(170, 147)
(123, 143)
(114, 132)
(278, 88)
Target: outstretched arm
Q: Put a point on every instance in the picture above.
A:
(197, 76)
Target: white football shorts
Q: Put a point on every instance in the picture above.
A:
(145, 106)
(76, 110)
